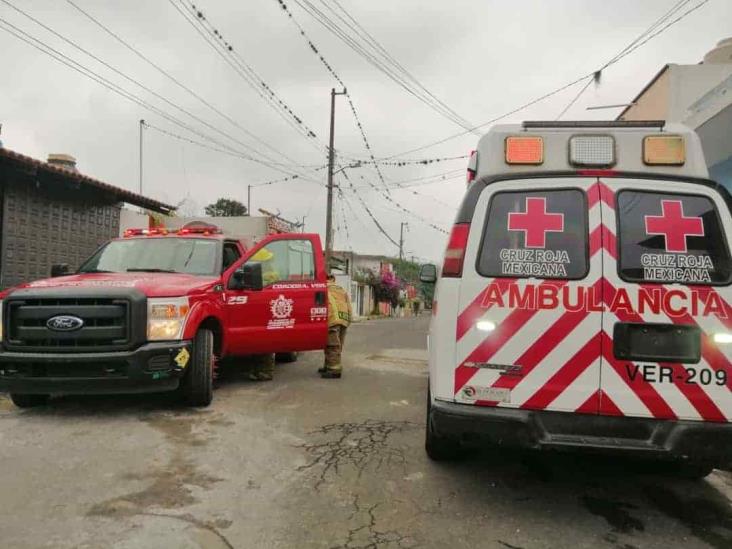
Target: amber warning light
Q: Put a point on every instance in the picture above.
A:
(524, 150)
(664, 150)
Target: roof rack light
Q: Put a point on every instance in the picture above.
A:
(594, 124)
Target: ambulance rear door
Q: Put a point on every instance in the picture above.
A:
(668, 325)
(529, 326)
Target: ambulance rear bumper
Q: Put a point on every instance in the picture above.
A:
(666, 439)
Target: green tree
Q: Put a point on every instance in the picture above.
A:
(225, 207)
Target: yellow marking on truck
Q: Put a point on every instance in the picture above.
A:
(182, 358)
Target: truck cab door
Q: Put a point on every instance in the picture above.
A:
(290, 312)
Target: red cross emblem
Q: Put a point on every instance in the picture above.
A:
(535, 222)
(674, 226)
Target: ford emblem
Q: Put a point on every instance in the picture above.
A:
(64, 323)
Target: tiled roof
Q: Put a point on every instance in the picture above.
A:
(11, 157)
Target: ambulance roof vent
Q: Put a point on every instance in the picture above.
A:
(594, 124)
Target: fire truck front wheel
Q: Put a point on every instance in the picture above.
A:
(28, 401)
(197, 385)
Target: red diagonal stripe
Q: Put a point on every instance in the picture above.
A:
(642, 389)
(591, 405)
(699, 399)
(603, 238)
(716, 359)
(546, 343)
(600, 191)
(607, 195)
(607, 406)
(725, 319)
(497, 339)
(564, 377)
(475, 309)
(600, 402)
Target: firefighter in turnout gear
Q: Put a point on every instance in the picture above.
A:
(339, 318)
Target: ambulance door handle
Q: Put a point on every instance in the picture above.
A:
(320, 299)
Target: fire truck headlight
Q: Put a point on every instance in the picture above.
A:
(166, 318)
(485, 325)
(722, 337)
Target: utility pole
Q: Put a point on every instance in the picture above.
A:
(331, 160)
(401, 240)
(142, 127)
(249, 200)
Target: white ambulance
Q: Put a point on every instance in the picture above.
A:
(584, 299)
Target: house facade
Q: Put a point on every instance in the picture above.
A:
(50, 213)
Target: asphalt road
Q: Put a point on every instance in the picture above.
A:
(304, 462)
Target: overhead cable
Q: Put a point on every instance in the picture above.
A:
(364, 44)
(627, 51)
(175, 80)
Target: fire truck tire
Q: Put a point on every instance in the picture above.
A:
(197, 385)
(694, 471)
(286, 357)
(28, 401)
(439, 448)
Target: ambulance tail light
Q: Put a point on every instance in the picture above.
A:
(524, 150)
(664, 150)
(472, 167)
(452, 266)
(592, 150)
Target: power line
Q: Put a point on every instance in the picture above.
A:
(576, 97)
(627, 51)
(269, 161)
(368, 211)
(173, 79)
(333, 73)
(228, 49)
(85, 71)
(345, 220)
(228, 153)
(407, 211)
(378, 56)
(249, 79)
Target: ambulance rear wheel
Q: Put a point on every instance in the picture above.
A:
(28, 401)
(694, 471)
(197, 385)
(439, 448)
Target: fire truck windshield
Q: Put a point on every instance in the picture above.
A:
(195, 256)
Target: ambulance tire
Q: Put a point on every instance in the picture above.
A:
(28, 401)
(286, 358)
(694, 471)
(197, 385)
(439, 448)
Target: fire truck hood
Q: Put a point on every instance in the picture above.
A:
(150, 284)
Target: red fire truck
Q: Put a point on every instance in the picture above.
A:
(154, 310)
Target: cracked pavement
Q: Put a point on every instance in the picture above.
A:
(311, 463)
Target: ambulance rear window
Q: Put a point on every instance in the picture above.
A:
(540, 234)
(667, 238)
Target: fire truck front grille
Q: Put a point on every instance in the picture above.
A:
(104, 325)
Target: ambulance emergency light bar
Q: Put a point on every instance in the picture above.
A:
(596, 150)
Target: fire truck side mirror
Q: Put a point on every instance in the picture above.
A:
(59, 269)
(247, 277)
(428, 273)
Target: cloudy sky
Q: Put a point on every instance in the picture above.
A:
(482, 58)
